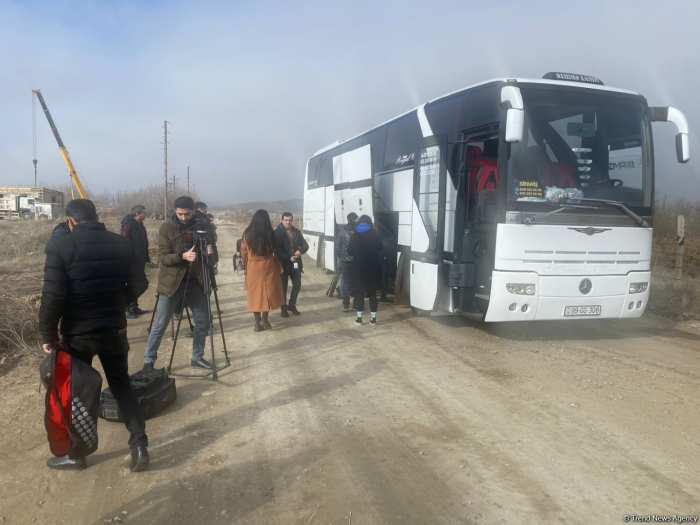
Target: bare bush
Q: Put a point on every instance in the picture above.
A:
(151, 196)
(668, 295)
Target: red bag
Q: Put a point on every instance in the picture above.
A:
(72, 404)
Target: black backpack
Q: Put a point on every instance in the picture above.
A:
(155, 391)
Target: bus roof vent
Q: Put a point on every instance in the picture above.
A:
(573, 77)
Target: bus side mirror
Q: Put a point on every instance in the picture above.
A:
(515, 125)
(515, 118)
(682, 148)
(674, 115)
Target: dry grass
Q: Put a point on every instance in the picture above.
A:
(679, 299)
(21, 273)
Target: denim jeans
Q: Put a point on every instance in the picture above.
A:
(197, 302)
(113, 351)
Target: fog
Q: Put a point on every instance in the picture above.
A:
(253, 89)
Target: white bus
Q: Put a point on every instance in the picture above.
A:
(509, 200)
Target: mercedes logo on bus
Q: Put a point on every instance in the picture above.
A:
(590, 231)
(585, 287)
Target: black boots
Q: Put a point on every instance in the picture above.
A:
(262, 322)
(139, 458)
(257, 327)
(284, 312)
(265, 322)
(293, 308)
(65, 463)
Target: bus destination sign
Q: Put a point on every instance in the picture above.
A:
(573, 77)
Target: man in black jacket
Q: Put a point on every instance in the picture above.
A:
(341, 254)
(134, 230)
(89, 278)
(290, 245)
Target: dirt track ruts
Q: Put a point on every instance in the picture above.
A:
(416, 420)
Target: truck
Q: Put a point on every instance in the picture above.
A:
(26, 206)
(17, 206)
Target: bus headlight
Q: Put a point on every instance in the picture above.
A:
(521, 288)
(638, 287)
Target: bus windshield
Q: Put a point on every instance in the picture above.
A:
(580, 146)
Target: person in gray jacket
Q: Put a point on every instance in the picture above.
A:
(341, 253)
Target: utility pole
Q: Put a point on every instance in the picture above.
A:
(165, 153)
(188, 181)
(174, 183)
(194, 191)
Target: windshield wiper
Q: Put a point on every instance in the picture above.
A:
(615, 204)
(530, 220)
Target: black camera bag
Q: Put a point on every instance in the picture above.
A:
(155, 391)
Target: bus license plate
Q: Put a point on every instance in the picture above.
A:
(570, 311)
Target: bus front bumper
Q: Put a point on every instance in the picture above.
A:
(567, 297)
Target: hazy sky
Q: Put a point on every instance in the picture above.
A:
(252, 89)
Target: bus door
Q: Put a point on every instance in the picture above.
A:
(476, 224)
(428, 222)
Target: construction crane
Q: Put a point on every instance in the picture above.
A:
(66, 157)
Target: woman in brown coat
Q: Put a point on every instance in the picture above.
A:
(262, 281)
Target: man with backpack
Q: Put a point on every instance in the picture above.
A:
(90, 277)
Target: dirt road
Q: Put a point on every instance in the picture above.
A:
(415, 421)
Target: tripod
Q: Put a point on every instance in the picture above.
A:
(334, 282)
(209, 286)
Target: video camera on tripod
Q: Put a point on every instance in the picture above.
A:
(201, 228)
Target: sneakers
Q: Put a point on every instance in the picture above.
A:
(373, 321)
(293, 308)
(66, 463)
(358, 321)
(139, 459)
(284, 312)
(147, 367)
(346, 309)
(384, 299)
(130, 314)
(201, 363)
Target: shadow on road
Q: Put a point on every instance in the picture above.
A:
(583, 330)
(174, 449)
(229, 493)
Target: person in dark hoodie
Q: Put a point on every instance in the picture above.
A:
(290, 245)
(364, 248)
(134, 230)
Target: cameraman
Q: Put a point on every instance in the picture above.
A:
(180, 272)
